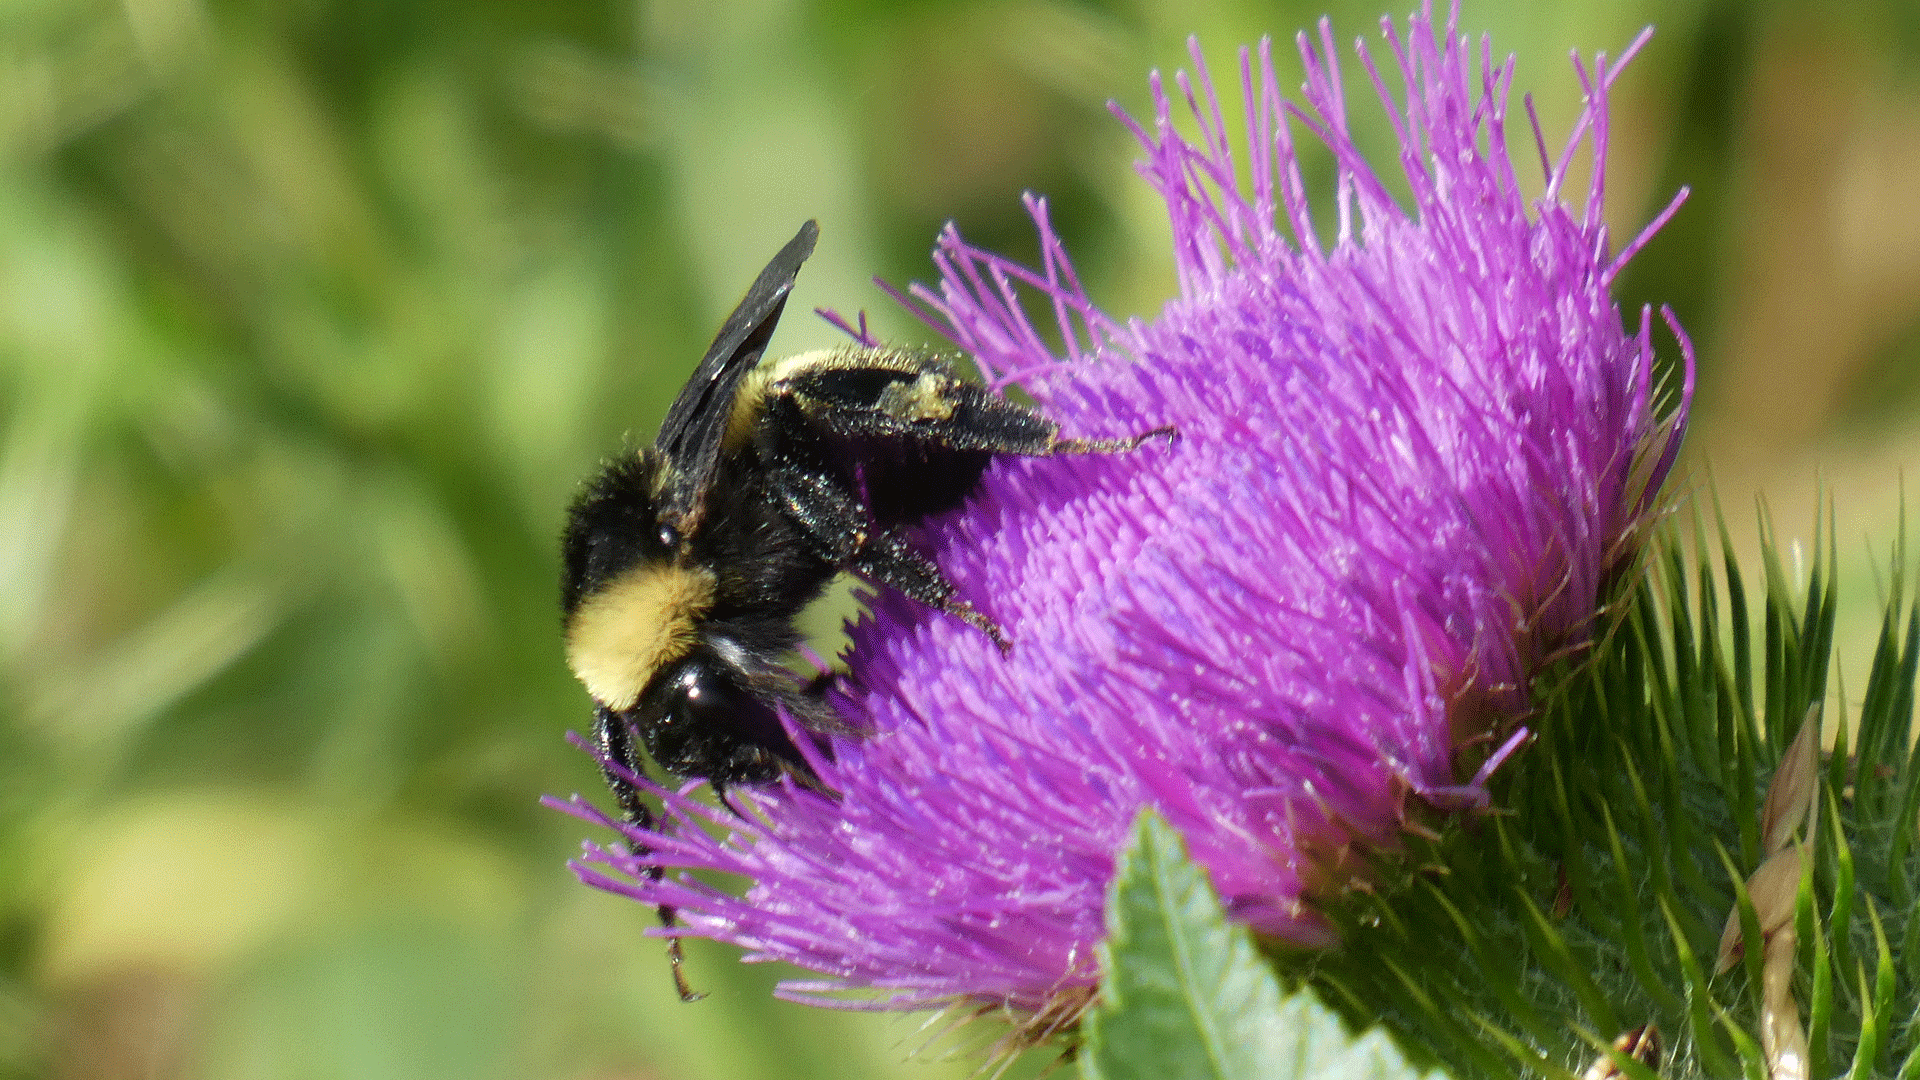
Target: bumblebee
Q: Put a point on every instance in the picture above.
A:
(686, 564)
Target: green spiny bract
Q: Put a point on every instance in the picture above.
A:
(1523, 943)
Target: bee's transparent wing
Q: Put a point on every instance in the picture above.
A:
(696, 422)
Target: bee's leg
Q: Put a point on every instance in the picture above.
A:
(1112, 446)
(831, 519)
(923, 403)
(841, 530)
(616, 748)
(887, 559)
(719, 789)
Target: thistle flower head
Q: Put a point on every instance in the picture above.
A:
(1414, 440)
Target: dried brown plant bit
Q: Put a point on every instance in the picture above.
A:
(1641, 1044)
(1793, 793)
(1782, 1037)
(1562, 896)
(1774, 889)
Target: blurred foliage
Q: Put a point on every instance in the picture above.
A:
(313, 313)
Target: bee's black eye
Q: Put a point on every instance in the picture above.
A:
(669, 537)
(712, 698)
(701, 704)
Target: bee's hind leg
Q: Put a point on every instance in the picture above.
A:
(1113, 446)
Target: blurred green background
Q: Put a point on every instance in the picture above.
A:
(313, 313)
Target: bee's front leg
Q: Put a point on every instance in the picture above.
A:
(615, 740)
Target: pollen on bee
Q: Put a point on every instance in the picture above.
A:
(644, 619)
(925, 399)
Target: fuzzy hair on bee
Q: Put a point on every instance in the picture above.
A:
(686, 564)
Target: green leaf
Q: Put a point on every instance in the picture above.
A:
(1186, 995)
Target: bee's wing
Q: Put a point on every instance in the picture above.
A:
(696, 422)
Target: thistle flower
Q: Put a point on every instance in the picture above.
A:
(1408, 459)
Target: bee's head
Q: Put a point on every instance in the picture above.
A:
(631, 603)
(616, 524)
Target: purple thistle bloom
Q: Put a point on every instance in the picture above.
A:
(1408, 461)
